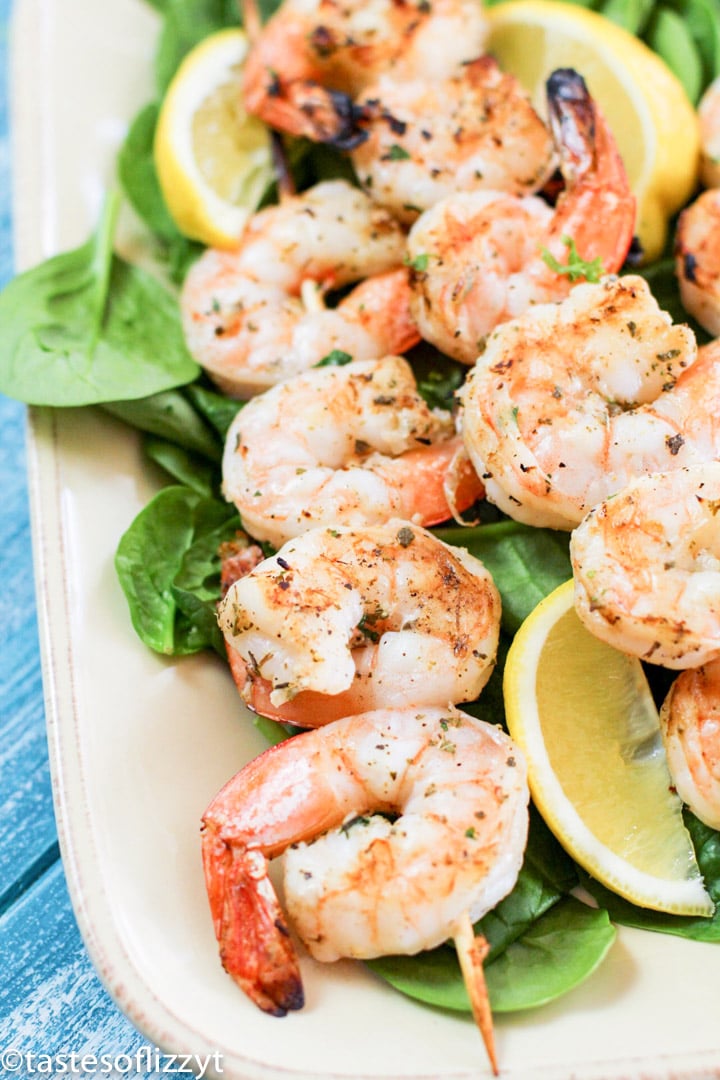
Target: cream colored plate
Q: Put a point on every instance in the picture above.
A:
(140, 745)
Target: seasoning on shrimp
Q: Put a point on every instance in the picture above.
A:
(489, 255)
(313, 57)
(351, 445)
(646, 564)
(255, 315)
(571, 400)
(428, 139)
(364, 618)
(357, 884)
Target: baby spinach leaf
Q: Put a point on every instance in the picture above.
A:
(86, 327)
(218, 410)
(707, 850)
(526, 563)
(559, 951)
(186, 23)
(556, 952)
(168, 566)
(138, 176)
(170, 415)
(184, 468)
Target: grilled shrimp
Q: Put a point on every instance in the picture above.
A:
(690, 723)
(344, 620)
(354, 445)
(427, 139)
(572, 400)
(357, 884)
(646, 564)
(313, 57)
(697, 259)
(480, 258)
(255, 315)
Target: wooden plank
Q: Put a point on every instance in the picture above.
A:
(51, 1000)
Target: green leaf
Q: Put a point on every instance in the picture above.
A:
(86, 327)
(186, 23)
(138, 176)
(662, 280)
(526, 563)
(335, 358)
(670, 38)
(218, 410)
(170, 415)
(632, 15)
(168, 566)
(184, 467)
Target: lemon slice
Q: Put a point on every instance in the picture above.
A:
(213, 161)
(646, 106)
(584, 716)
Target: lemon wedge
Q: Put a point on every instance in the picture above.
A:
(584, 716)
(213, 161)
(646, 106)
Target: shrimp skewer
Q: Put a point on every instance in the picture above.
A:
(357, 884)
(344, 620)
(646, 565)
(572, 400)
(255, 315)
(481, 258)
(351, 445)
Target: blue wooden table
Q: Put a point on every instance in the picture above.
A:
(51, 1001)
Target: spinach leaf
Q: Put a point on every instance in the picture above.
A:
(169, 569)
(86, 327)
(138, 176)
(184, 467)
(707, 850)
(542, 942)
(186, 23)
(661, 278)
(170, 416)
(556, 953)
(218, 410)
(526, 563)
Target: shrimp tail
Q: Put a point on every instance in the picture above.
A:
(597, 208)
(255, 945)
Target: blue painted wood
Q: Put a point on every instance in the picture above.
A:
(51, 1001)
(50, 997)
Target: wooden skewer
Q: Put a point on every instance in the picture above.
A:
(286, 185)
(472, 950)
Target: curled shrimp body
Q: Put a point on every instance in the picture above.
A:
(480, 258)
(248, 316)
(430, 138)
(571, 400)
(357, 884)
(697, 259)
(343, 620)
(690, 723)
(313, 57)
(355, 445)
(646, 565)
